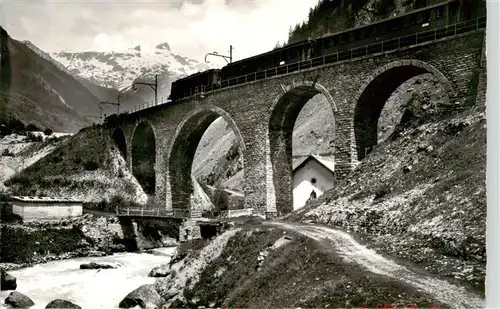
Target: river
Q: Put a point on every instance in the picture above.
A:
(89, 289)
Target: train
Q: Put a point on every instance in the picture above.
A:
(341, 44)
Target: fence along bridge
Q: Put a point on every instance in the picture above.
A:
(175, 213)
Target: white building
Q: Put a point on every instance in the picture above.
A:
(35, 208)
(312, 173)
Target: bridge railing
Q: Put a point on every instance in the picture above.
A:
(147, 105)
(351, 54)
(170, 213)
(359, 52)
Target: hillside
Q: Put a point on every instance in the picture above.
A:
(17, 152)
(420, 196)
(86, 166)
(35, 90)
(277, 265)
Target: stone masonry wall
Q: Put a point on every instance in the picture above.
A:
(248, 108)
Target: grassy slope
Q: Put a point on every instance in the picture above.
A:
(23, 153)
(432, 213)
(86, 165)
(299, 273)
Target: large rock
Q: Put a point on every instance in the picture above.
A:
(7, 281)
(160, 271)
(62, 304)
(93, 265)
(18, 300)
(144, 296)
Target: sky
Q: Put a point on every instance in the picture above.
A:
(192, 28)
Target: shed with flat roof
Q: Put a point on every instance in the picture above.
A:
(36, 207)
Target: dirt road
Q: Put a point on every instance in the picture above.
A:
(346, 246)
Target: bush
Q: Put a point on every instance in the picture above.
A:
(115, 202)
(7, 153)
(12, 125)
(48, 132)
(16, 126)
(31, 137)
(19, 246)
(6, 214)
(90, 166)
(221, 200)
(382, 191)
(31, 127)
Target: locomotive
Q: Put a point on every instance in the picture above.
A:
(334, 47)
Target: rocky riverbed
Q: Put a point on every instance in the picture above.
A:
(88, 288)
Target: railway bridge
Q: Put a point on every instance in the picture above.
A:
(262, 108)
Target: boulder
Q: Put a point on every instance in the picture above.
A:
(18, 300)
(7, 281)
(62, 304)
(160, 271)
(144, 296)
(93, 265)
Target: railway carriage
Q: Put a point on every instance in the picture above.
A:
(274, 58)
(193, 84)
(393, 32)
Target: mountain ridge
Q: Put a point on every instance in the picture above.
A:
(36, 90)
(119, 69)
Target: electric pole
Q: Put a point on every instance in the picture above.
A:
(230, 57)
(153, 86)
(115, 104)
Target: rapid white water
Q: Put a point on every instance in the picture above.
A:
(87, 288)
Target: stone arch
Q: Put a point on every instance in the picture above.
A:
(143, 143)
(118, 137)
(378, 87)
(182, 148)
(282, 120)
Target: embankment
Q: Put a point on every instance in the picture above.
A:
(267, 265)
(31, 243)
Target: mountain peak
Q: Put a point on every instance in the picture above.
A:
(164, 46)
(119, 69)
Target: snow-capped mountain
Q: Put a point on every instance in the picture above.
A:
(118, 69)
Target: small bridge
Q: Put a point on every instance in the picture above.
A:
(138, 212)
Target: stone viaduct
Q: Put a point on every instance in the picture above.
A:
(263, 112)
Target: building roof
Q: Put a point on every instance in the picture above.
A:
(329, 165)
(44, 199)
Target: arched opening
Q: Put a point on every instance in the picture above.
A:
(206, 164)
(383, 102)
(119, 138)
(144, 157)
(302, 124)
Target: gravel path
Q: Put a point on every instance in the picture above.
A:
(347, 247)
